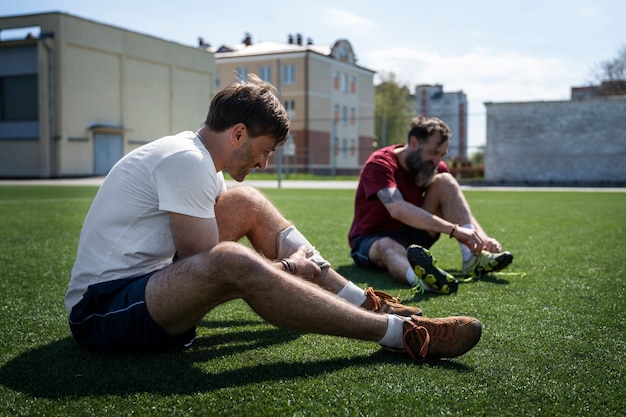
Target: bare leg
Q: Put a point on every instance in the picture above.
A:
(389, 254)
(245, 211)
(445, 198)
(179, 296)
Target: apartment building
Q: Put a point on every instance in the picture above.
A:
(76, 95)
(329, 97)
(451, 107)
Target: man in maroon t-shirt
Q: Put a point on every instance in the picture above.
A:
(405, 199)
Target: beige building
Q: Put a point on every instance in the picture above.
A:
(76, 95)
(329, 97)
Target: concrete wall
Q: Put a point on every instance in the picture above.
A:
(559, 142)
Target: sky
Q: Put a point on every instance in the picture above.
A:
(492, 50)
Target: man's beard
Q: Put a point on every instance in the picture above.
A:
(423, 172)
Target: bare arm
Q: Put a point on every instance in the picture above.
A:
(416, 217)
(410, 214)
(193, 235)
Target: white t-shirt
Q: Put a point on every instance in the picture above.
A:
(127, 232)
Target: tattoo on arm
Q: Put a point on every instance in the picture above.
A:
(389, 195)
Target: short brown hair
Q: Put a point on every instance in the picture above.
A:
(423, 127)
(254, 103)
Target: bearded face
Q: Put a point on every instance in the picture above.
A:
(423, 171)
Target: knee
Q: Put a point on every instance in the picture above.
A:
(387, 249)
(242, 194)
(445, 179)
(228, 256)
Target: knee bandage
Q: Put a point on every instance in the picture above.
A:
(290, 239)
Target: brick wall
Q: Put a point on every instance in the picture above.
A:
(557, 142)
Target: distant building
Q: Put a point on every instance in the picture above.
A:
(329, 97)
(605, 89)
(584, 93)
(451, 107)
(76, 95)
(576, 142)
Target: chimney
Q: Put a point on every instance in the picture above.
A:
(299, 38)
(248, 39)
(309, 41)
(290, 39)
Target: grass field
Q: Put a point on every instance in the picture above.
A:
(554, 337)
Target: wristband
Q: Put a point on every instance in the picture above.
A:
(453, 230)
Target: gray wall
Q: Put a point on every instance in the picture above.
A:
(558, 142)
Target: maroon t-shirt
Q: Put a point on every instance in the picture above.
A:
(382, 170)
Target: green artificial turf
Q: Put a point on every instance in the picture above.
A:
(553, 339)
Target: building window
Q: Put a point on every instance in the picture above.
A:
(289, 74)
(344, 83)
(344, 115)
(266, 73)
(336, 113)
(217, 79)
(353, 84)
(19, 98)
(336, 81)
(344, 148)
(290, 107)
(352, 116)
(242, 74)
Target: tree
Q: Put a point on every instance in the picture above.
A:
(611, 75)
(392, 107)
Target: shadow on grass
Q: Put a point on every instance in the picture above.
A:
(61, 369)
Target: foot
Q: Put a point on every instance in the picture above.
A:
(439, 338)
(433, 278)
(450, 337)
(486, 262)
(381, 302)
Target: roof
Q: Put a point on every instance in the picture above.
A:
(266, 48)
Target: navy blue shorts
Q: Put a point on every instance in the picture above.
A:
(112, 316)
(405, 236)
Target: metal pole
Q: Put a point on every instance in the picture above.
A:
(333, 138)
(279, 151)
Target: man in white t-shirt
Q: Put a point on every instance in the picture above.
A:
(158, 248)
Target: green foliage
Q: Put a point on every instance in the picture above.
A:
(478, 158)
(611, 74)
(554, 337)
(392, 108)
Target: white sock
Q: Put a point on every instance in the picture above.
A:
(394, 336)
(466, 253)
(413, 280)
(289, 240)
(353, 294)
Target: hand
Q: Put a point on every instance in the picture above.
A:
(304, 268)
(471, 238)
(492, 245)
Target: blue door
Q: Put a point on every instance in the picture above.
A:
(108, 149)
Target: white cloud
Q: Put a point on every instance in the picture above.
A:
(342, 18)
(488, 77)
(481, 74)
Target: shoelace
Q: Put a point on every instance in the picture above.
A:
(417, 289)
(417, 336)
(441, 331)
(378, 297)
